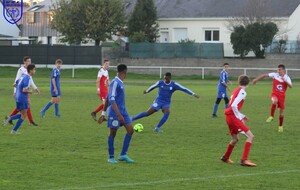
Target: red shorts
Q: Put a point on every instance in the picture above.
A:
(280, 100)
(235, 125)
(103, 95)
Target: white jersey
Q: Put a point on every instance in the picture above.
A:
(22, 70)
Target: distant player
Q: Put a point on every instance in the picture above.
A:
(102, 84)
(22, 103)
(222, 89)
(280, 83)
(22, 71)
(235, 121)
(118, 115)
(166, 88)
(54, 89)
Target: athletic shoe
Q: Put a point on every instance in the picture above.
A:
(6, 120)
(42, 114)
(280, 129)
(33, 124)
(58, 116)
(227, 160)
(247, 163)
(10, 122)
(125, 158)
(270, 119)
(112, 160)
(214, 116)
(158, 130)
(93, 114)
(13, 132)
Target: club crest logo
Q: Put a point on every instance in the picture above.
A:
(12, 10)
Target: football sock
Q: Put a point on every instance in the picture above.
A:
(99, 108)
(29, 115)
(246, 152)
(126, 143)
(281, 120)
(273, 108)
(215, 109)
(49, 104)
(14, 112)
(229, 150)
(56, 109)
(139, 116)
(111, 150)
(163, 120)
(17, 116)
(226, 106)
(18, 124)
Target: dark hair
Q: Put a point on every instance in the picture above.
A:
(58, 61)
(244, 80)
(281, 66)
(26, 58)
(30, 67)
(168, 74)
(105, 60)
(121, 68)
(225, 64)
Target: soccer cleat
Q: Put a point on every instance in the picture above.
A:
(93, 114)
(10, 122)
(58, 116)
(13, 132)
(42, 114)
(112, 160)
(158, 130)
(33, 124)
(125, 158)
(270, 119)
(247, 163)
(227, 160)
(280, 129)
(6, 120)
(214, 116)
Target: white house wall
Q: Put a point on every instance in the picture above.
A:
(294, 25)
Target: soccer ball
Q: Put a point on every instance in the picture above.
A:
(138, 127)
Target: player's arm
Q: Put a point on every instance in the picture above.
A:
(288, 81)
(234, 106)
(97, 85)
(18, 76)
(113, 93)
(260, 77)
(54, 85)
(27, 89)
(186, 90)
(151, 87)
(224, 83)
(34, 86)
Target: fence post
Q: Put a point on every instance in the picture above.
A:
(245, 71)
(73, 71)
(160, 72)
(202, 73)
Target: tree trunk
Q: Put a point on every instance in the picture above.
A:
(97, 42)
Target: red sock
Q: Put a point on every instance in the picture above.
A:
(14, 112)
(281, 120)
(247, 147)
(29, 115)
(273, 108)
(228, 151)
(99, 108)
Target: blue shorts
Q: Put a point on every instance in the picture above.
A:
(157, 105)
(58, 93)
(22, 105)
(222, 94)
(114, 123)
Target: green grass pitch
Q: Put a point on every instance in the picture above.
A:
(71, 152)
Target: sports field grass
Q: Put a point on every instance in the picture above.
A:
(71, 152)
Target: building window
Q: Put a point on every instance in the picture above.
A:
(212, 35)
(30, 17)
(180, 34)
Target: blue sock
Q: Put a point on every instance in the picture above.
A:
(139, 116)
(226, 106)
(56, 109)
(17, 116)
(215, 109)
(18, 124)
(111, 150)
(126, 143)
(163, 120)
(47, 107)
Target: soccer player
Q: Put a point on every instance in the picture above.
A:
(280, 83)
(21, 97)
(118, 115)
(54, 89)
(166, 88)
(22, 71)
(102, 84)
(222, 87)
(236, 123)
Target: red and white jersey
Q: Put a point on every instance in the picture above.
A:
(279, 85)
(103, 75)
(22, 70)
(237, 99)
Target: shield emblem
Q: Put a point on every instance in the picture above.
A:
(12, 10)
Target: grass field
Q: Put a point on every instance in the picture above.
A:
(71, 152)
